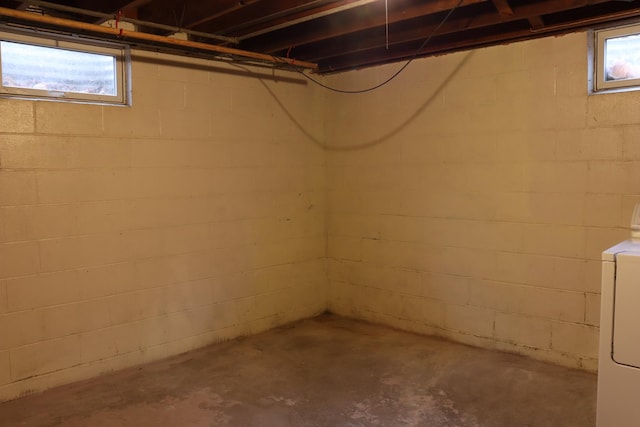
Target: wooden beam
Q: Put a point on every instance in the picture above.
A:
(171, 12)
(536, 22)
(23, 5)
(66, 24)
(268, 25)
(112, 6)
(214, 16)
(361, 42)
(95, 12)
(503, 7)
(380, 55)
(237, 6)
(87, 15)
(129, 9)
(364, 19)
(262, 14)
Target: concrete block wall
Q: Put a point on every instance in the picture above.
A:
(472, 197)
(131, 234)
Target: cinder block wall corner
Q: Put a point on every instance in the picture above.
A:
(472, 196)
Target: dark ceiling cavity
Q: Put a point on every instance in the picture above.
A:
(343, 35)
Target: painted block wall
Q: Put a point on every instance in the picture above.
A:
(131, 234)
(471, 197)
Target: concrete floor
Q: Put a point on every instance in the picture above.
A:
(327, 371)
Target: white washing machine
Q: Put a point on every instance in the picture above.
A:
(619, 354)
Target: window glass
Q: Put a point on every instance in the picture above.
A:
(616, 59)
(622, 58)
(44, 68)
(60, 70)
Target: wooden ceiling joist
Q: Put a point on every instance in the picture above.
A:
(122, 34)
(536, 22)
(421, 31)
(453, 42)
(355, 22)
(291, 21)
(256, 11)
(340, 34)
(504, 9)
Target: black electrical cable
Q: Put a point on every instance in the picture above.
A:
(397, 73)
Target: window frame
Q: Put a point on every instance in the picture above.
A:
(598, 81)
(120, 52)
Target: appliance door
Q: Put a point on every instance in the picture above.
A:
(626, 318)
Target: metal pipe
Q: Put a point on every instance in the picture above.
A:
(121, 33)
(101, 15)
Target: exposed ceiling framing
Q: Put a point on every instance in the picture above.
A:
(340, 35)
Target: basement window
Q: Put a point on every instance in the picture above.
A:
(62, 70)
(617, 59)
